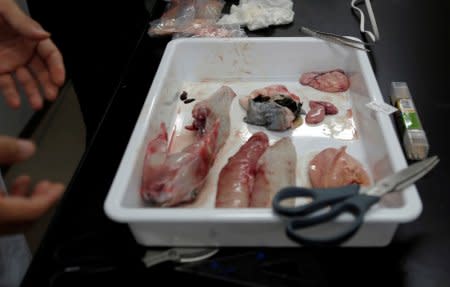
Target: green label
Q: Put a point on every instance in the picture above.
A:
(411, 121)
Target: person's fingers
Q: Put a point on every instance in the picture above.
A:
(22, 23)
(21, 186)
(45, 185)
(30, 87)
(14, 150)
(42, 186)
(54, 61)
(41, 73)
(9, 91)
(27, 209)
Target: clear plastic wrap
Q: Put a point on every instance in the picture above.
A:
(185, 16)
(208, 9)
(178, 13)
(210, 29)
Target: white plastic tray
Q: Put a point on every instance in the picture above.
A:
(200, 66)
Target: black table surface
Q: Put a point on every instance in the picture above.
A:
(413, 48)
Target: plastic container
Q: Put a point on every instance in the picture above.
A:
(414, 138)
(200, 66)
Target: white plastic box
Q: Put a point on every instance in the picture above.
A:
(201, 66)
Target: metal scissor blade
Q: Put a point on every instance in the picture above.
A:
(404, 178)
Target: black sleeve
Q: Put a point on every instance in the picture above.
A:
(96, 39)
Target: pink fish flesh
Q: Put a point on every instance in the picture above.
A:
(330, 109)
(331, 81)
(237, 177)
(334, 168)
(170, 179)
(315, 115)
(275, 170)
(318, 111)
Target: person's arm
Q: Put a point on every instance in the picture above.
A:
(28, 56)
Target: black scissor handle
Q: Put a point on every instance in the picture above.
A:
(320, 198)
(356, 205)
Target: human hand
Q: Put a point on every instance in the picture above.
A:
(22, 206)
(27, 53)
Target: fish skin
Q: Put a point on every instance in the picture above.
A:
(155, 157)
(180, 177)
(269, 91)
(207, 112)
(171, 179)
(269, 113)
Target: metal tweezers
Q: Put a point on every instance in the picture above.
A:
(345, 41)
(337, 39)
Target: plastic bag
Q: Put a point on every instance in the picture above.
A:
(205, 29)
(180, 15)
(208, 9)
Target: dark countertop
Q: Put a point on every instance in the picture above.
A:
(413, 48)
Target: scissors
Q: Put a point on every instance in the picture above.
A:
(351, 199)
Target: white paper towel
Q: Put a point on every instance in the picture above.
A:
(257, 14)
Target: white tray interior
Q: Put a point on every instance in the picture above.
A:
(200, 66)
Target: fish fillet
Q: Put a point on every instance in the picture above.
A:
(334, 168)
(237, 177)
(275, 170)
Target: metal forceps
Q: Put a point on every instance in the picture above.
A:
(337, 39)
(345, 41)
(351, 199)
